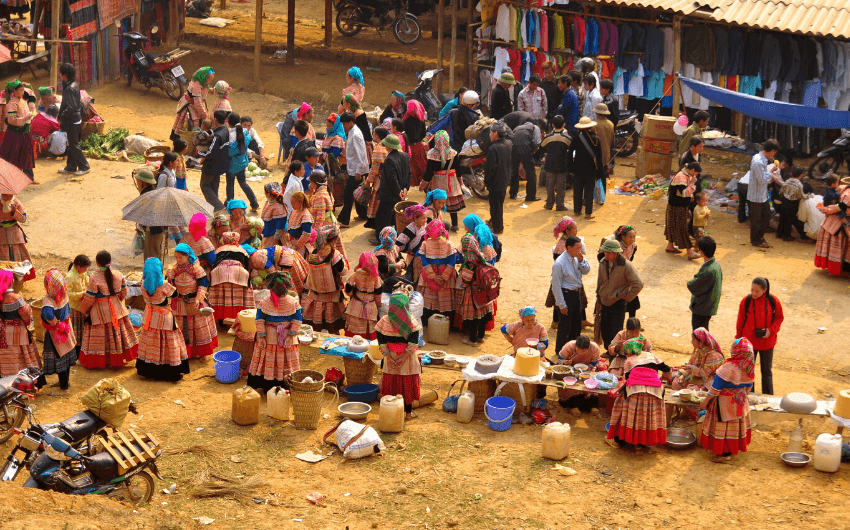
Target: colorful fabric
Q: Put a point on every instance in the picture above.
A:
(112, 10)
(368, 263)
(416, 110)
(436, 195)
(706, 338)
(222, 89)
(399, 315)
(442, 151)
(54, 285)
(724, 437)
(527, 311)
(563, 225)
(633, 347)
(638, 419)
(387, 237)
(83, 20)
(414, 211)
(406, 386)
(478, 227)
(337, 129)
(471, 252)
(152, 274)
(325, 235)
(6, 280)
(234, 204)
(641, 376)
(740, 368)
(437, 229)
(230, 238)
(201, 75)
(352, 101)
(621, 232)
(303, 110)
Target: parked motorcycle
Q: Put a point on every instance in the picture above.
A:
(626, 136)
(15, 390)
(151, 69)
(474, 178)
(424, 93)
(830, 160)
(353, 15)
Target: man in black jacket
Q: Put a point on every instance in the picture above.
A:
(501, 102)
(497, 174)
(70, 118)
(525, 142)
(550, 86)
(462, 117)
(300, 131)
(606, 88)
(395, 180)
(586, 166)
(216, 161)
(556, 145)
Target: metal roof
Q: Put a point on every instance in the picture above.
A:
(820, 18)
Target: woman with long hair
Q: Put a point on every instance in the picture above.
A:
(760, 317)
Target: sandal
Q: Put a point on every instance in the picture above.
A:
(763, 244)
(468, 342)
(674, 251)
(694, 257)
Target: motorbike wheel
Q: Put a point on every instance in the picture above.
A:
(348, 21)
(172, 86)
(136, 490)
(825, 166)
(476, 183)
(627, 144)
(8, 423)
(407, 30)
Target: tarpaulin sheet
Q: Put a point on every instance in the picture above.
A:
(770, 110)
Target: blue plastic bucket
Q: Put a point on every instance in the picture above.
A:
(227, 366)
(499, 411)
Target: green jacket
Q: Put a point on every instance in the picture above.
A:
(685, 142)
(705, 289)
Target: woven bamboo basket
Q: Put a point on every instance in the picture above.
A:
(90, 128)
(511, 390)
(400, 220)
(188, 136)
(483, 391)
(307, 407)
(293, 381)
(245, 348)
(155, 153)
(358, 371)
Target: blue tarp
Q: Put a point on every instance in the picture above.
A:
(770, 110)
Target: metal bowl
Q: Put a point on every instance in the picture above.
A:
(680, 438)
(795, 459)
(354, 410)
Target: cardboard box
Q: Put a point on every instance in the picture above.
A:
(658, 127)
(661, 147)
(653, 164)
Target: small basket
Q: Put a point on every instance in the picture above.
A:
(307, 407)
(358, 371)
(400, 219)
(156, 153)
(293, 381)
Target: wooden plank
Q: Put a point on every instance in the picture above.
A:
(137, 18)
(290, 32)
(471, 48)
(129, 445)
(441, 12)
(106, 445)
(173, 24)
(124, 452)
(677, 61)
(258, 41)
(452, 56)
(142, 443)
(152, 439)
(329, 24)
(54, 48)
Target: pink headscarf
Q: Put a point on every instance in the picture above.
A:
(198, 226)
(6, 279)
(437, 229)
(643, 376)
(415, 109)
(369, 263)
(305, 108)
(413, 211)
(563, 225)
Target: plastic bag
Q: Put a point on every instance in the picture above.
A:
(450, 403)
(109, 401)
(367, 441)
(138, 244)
(599, 192)
(416, 307)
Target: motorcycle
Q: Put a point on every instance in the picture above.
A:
(830, 160)
(626, 136)
(474, 178)
(154, 69)
(14, 394)
(424, 93)
(352, 16)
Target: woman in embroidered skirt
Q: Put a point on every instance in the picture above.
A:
(398, 340)
(192, 282)
(390, 260)
(411, 237)
(638, 416)
(566, 228)
(276, 347)
(192, 106)
(230, 291)
(17, 347)
(334, 142)
(487, 241)
(517, 333)
(323, 301)
(77, 281)
(273, 216)
(222, 91)
(13, 242)
(198, 241)
(60, 344)
(16, 147)
(414, 128)
(379, 154)
(626, 237)
(681, 194)
(108, 336)
(364, 291)
(440, 174)
(832, 252)
(726, 429)
(439, 276)
(322, 206)
(616, 353)
(300, 223)
(474, 318)
(698, 373)
(162, 350)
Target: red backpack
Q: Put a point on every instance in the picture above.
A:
(485, 285)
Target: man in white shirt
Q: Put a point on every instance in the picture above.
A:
(758, 197)
(357, 166)
(593, 97)
(532, 98)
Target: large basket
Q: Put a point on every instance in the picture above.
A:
(38, 328)
(358, 371)
(90, 128)
(293, 381)
(400, 220)
(483, 391)
(512, 391)
(156, 153)
(307, 407)
(245, 348)
(188, 136)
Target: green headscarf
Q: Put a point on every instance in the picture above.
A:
(11, 86)
(202, 74)
(633, 346)
(46, 90)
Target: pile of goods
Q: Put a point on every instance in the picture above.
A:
(105, 146)
(651, 185)
(253, 170)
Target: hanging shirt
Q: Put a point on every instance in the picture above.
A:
(812, 93)
(688, 70)
(522, 34)
(636, 82)
(613, 39)
(750, 84)
(513, 24)
(579, 34)
(667, 66)
(619, 87)
(503, 23)
(527, 61)
(544, 31)
(558, 42)
(707, 79)
(770, 91)
(655, 85)
(515, 63)
(502, 60)
(485, 34)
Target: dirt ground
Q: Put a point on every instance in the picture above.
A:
(439, 473)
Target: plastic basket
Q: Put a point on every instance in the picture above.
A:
(499, 411)
(227, 366)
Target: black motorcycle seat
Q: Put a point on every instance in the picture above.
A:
(80, 426)
(151, 56)
(104, 465)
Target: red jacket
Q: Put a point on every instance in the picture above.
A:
(759, 316)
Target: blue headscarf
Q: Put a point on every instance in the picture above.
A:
(152, 275)
(398, 94)
(436, 195)
(186, 249)
(236, 203)
(527, 311)
(336, 130)
(248, 248)
(357, 75)
(480, 229)
(387, 238)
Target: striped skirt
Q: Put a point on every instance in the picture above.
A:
(273, 362)
(359, 326)
(228, 299)
(441, 301)
(53, 363)
(831, 250)
(676, 230)
(466, 308)
(318, 312)
(162, 347)
(13, 245)
(103, 345)
(13, 359)
(199, 334)
(724, 437)
(638, 419)
(78, 322)
(372, 209)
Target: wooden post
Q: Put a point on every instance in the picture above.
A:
(470, 46)
(39, 5)
(329, 24)
(114, 46)
(441, 11)
(222, 5)
(137, 18)
(173, 24)
(258, 41)
(290, 32)
(454, 46)
(54, 48)
(677, 62)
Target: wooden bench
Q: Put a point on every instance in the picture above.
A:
(30, 62)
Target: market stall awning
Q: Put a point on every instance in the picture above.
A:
(770, 110)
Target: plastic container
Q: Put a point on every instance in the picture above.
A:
(556, 441)
(795, 441)
(438, 329)
(246, 406)
(248, 321)
(365, 393)
(465, 407)
(227, 366)
(499, 411)
(828, 453)
(391, 414)
(279, 403)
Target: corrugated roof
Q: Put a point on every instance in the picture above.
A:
(820, 18)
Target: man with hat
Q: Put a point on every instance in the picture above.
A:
(586, 165)
(501, 102)
(155, 242)
(497, 174)
(395, 180)
(605, 131)
(532, 98)
(618, 283)
(311, 154)
(356, 165)
(464, 115)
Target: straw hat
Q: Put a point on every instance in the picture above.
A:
(507, 79)
(611, 246)
(392, 142)
(601, 108)
(586, 123)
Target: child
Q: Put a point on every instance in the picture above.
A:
(180, 146)
(274, 216)
(167, 178)
(203, 138)
(701, 214)
(222, 90)
(293, 182)
(77, 281)
(517, 333)
(60, 344)
(831, 195)
(311, 166)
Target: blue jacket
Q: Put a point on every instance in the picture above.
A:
(569, 110)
